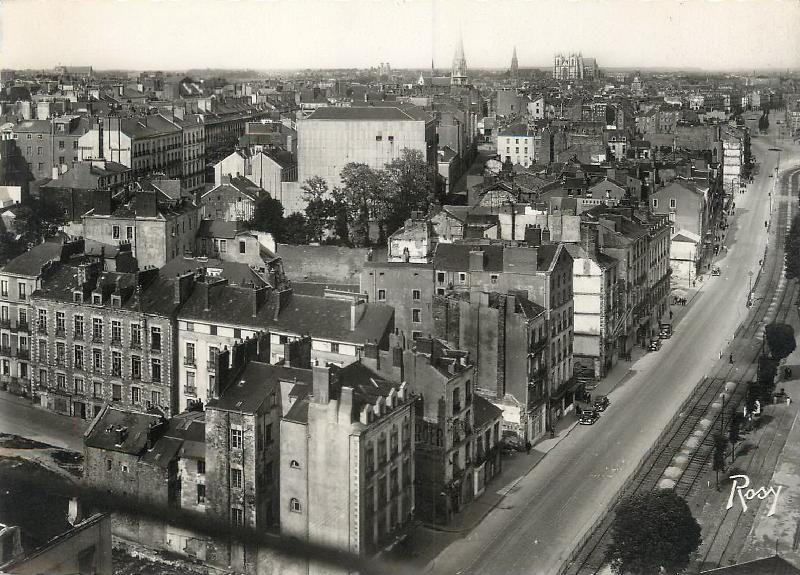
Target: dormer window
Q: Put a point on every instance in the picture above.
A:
(77, 297)
(116, 301)
(97, 299)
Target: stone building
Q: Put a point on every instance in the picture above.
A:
(354, 430)
(574, 67)
(507, 338)
(19, 279)
(105, 337)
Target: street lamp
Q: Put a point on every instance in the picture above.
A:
(750, 289)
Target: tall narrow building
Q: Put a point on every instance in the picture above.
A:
(514, 65)
(458, 76)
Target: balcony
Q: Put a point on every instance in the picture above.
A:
(23, 326)
(61, 332)
(190, 391)
(189, 361)
(136, 344)
(211, 365)
(42, 329)
(97, 337)
(23, 353)
(5, 323)
(116, 341)
(136, 375)
(5, 350)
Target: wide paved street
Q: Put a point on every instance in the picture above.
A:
(19, 417)
(539, 523)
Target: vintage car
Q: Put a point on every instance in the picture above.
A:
(588, 417)
(655, 345)
(601, 402)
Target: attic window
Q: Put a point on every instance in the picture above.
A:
(97, 298)
(378, 138)
(391, 138)
(77, 297)
(116, 301)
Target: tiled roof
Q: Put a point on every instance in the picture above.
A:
(484, 412)
(136, 426)
(455, 257)
(255, 384)
(30, 263)
(220, 228)
(234, 272)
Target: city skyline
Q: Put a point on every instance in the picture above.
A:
(659, 34)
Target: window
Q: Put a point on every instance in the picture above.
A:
(493, 278)
(42, 351)
(155, 367)
(381, 295)
(223, 246)
(236, 438)
(294, 464)
(294, 505)
(61, 380)
(415, 295)
(190, 385)
(673, 203)
(42, 322)
(242, 247)
(115, 232)
(116, 363)
(334, 347)
(136, 395)
(136, 367)
(43, 377)
(78, 321)
(655, 202)
(462, 277)
(415, 335)
(78, 357)
(97, 329)
(108, 465)
(201, 466)
(155, 398)
(116, 392)
(21, 288)
(4, 288)
(155, 338)
(237, 516)
(440, 277)
(61, 144)
(97, 389)
(60, 352)
(415, 316)
(60, 323)
(201, 494)
(236, 478)
(136, 335)
(116, 332)
(129, 233)
(190, 354)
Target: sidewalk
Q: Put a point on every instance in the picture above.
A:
(428, 542)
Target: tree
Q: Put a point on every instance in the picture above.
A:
(652, 531)
(407, 187)
(734, 428)
(720, 443)
(767, 370)
(319, 208)
(780, 340)
(792, 249)
(358, 198)
(268, 217)
(295, 229)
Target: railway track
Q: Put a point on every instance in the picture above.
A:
(774, 304)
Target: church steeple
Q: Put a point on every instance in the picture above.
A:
(458, 77)
(514, 65)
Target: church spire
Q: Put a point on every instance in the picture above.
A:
(458, 77)
(514, 64)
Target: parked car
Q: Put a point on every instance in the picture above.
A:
(715, 271)
(601, 402)
(588, 417)
(665, 331)
(655, 344)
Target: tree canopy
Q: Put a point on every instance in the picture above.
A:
(792, 249)
(651, 531)
(268, 217)
(780, 339)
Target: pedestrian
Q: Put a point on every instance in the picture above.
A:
(670, 314)
(730, 358)
(765, 224)
(552, 433)
(528, 447)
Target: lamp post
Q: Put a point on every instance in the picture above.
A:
(750, 288)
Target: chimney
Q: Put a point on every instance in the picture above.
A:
(183, 287)
(589, 239)
(372, 356)
(298, 353)
(101, 200)
(545, 236)
(476, 261)
(321, 384)
(533, 236)
(397, 361)
(357, 310)
(346, 405)
(258, 296)
(226, 179)
(204, 292)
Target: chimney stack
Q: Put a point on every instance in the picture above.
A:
(321, 384)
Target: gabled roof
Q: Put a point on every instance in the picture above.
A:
(220, 228)
(103, 434)
(255, 384)
(455, 257)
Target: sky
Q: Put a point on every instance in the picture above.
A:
(277, 34)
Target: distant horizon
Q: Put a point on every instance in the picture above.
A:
(409, 34)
